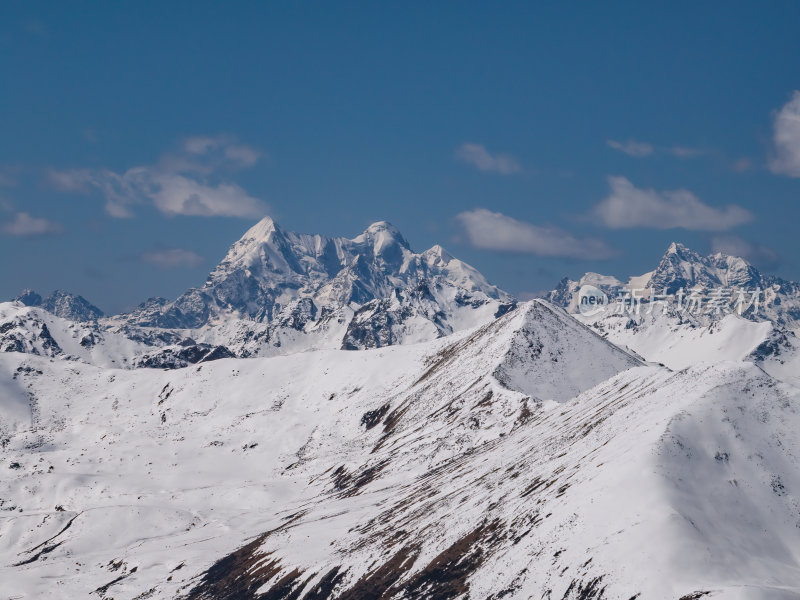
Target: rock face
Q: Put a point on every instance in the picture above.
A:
(62, 304)
(182, 356)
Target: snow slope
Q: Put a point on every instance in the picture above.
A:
(37, 331)
(679, 342)
(526, 457)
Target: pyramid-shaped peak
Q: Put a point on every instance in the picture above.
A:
(682, 253)
(261, 230)
(679, 249)
(437, 255)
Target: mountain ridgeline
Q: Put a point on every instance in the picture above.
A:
(278, 292)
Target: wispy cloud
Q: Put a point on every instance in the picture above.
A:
(631, 147)
(687, 152)
(479, 157)
(641, 149)
(628, 206)
(757, 254)
(23, 224)
(785, 158)
(189, 182)
(495, 231)
(172, 258)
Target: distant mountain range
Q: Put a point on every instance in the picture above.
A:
(683, 269)
(279, 292)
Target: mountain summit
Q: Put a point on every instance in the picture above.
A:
(683, 268)
(275, 288)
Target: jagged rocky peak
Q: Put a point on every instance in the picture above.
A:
(437, 256)
(62, 304)
(681, 251)
(270, 267)
(29, 298)
(681, 267)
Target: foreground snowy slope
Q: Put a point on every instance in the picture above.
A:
(527, 457)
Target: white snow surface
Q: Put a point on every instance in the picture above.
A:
(523, 458)
(662, 338)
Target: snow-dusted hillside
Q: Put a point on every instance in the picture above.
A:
(524, 458)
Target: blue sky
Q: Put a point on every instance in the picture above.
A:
(139, 140)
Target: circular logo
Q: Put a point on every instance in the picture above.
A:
(591, 300)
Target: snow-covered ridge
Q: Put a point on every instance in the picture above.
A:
(443, 469)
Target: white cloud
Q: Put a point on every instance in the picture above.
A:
(495, 231)
(25, 225)
(172, 258)
(757, 254)
(628, 206)
(786, 139)
(185, 183)
(479, 157)
(631, 147)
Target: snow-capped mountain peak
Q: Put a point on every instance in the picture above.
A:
(678, 335)
(381, 235)
(681, 267)
(62, 304)
(277, 292)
